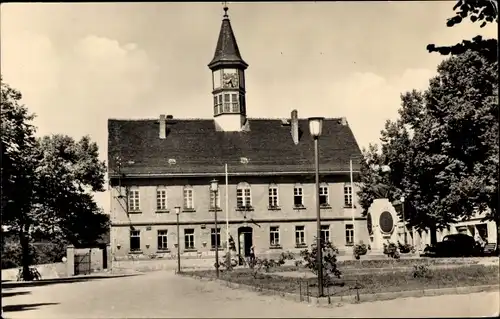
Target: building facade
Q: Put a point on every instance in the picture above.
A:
(266, 196)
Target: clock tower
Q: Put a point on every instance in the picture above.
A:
(228, 78)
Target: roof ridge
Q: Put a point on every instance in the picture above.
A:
(211, 119)
(286, 117)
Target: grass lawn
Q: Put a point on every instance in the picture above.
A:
(470, 275)
(368, 264)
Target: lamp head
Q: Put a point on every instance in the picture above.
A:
(177, 210)
(214, 185)
(316, 126)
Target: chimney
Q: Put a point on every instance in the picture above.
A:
(163, 127)
(343, 121)
(170, 117)
(294, 125)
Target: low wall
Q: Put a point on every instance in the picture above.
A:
(47, 271)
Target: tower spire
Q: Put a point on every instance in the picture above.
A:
(227, 51)
(228, 78)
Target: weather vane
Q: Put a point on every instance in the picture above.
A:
(225, 8)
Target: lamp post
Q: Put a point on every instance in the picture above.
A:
(404, 221)
(177, 211)
(315, 128)
(214, 187)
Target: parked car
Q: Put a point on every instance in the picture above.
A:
(456, 245)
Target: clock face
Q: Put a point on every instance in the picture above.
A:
(230, 78)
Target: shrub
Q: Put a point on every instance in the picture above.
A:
(259, 264)
(359, 250)
(226, 263)
(405, 248)
(421, 271)
(40, 253)
(391, 250)
(11, 255)
(48, 253)
(329, 261)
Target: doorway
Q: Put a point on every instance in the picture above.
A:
(245, 241)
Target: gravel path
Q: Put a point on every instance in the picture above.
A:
(163, 294)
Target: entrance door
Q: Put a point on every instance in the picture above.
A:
(245, 238)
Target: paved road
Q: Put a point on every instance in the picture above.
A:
(163, 294)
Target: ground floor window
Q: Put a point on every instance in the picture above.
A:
(300, 235)
(274, 236)
(162, 240)
(135, 240)
(189, 238)
(349, 234)
(215, 236)
(325, 233)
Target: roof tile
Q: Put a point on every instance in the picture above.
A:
(198, 147)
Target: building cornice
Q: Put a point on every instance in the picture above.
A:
(233, 174)
(231, 221)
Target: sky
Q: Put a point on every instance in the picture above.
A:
(79, 64)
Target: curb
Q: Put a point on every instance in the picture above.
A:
(328, 301)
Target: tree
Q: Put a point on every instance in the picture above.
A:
(47, 182)
(478, 11)
(443, 150)
(18, 167)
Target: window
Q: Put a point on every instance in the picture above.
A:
(212, 199)
(323, 194)
(213, 237)
(219, 103)
(135, 240)
(243, 195)
(349, 234)
(162, 240)
(161, 199)
(234, 103)
(347, 195)
(274, 235)
(325, 233)
(227, 103)
(273, 196)
(133, 200)
(300, 236)
(188, 197)
(298, 197)
(216, 106)
(189, 238)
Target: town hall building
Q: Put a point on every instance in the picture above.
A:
(162, 166)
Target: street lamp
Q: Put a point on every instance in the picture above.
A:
(214, 187)
(177, 211)
(315, 128)
(403, 211)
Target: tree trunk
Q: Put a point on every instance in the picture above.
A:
(498, 237)
(26, 255)
(433, 232)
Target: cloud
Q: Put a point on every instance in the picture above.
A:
(368, 100)
(74, 89)
(29, 63)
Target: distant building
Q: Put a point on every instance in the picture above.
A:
(158, 164)
(385, 224)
